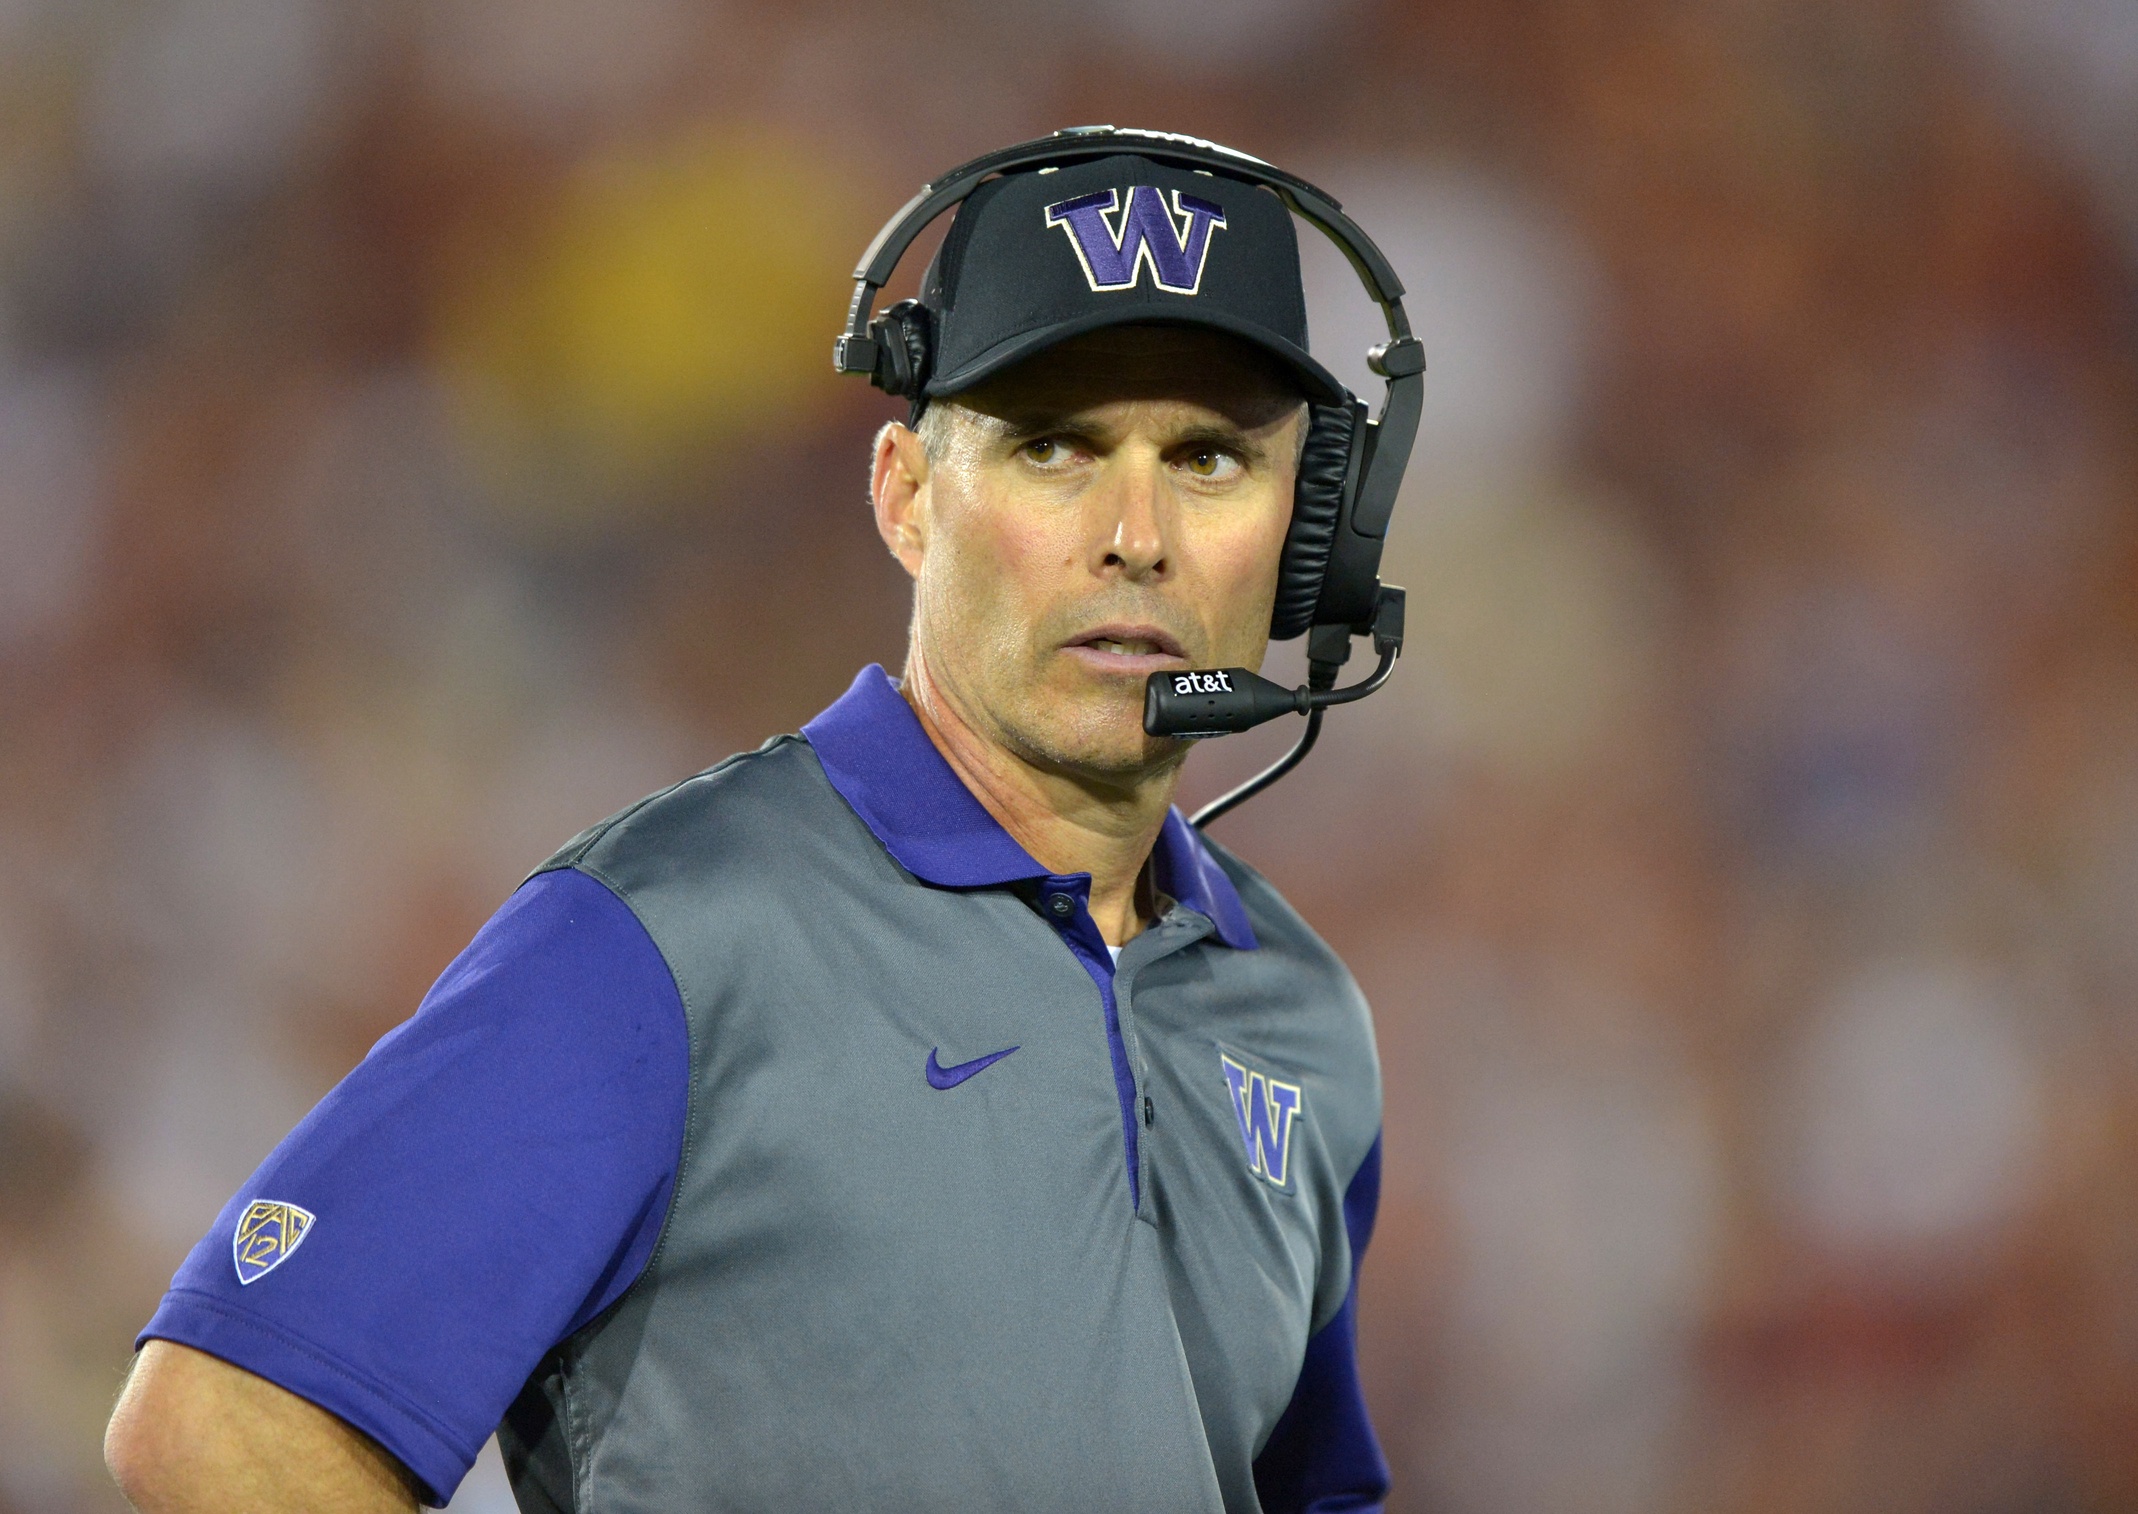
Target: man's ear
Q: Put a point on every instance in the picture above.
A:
(895, 487)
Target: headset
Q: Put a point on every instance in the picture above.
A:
(1350, 466)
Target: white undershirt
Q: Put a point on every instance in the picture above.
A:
(1116, 954)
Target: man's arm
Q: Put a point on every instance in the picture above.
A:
(491, 1177)
(195, 1435)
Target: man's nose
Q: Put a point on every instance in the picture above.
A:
(1135, 520)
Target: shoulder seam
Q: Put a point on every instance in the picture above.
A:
(690, 1086)
(692, 1112)
(573, 853)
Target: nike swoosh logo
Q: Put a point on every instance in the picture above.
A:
(940, 1076)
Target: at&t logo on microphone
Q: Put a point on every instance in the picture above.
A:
(1202, 683)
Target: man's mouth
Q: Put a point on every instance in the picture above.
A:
(1137, 649)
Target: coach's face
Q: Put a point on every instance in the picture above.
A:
(1110, 508)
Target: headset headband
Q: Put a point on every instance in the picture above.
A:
(1077, 143)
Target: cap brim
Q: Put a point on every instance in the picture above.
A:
(1316, 382)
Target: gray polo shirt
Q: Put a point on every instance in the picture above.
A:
(792, 1139)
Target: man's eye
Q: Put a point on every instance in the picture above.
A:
(1044, 449)
(1210, 462)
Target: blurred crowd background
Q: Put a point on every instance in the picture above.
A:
(418, 439)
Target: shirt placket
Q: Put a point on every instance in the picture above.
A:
(1181, 928)
(1066, 902)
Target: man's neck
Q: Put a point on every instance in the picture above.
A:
(1068, 826)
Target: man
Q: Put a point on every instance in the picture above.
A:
(912, 1114)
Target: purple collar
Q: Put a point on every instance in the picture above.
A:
(882, 763)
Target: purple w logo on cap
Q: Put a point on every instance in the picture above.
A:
(1148, 233)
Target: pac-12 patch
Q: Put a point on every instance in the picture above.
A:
(1267, 1109)
(268, 1231)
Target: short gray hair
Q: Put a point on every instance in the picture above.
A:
(933, 428)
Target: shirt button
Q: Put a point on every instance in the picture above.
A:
(1061, 906)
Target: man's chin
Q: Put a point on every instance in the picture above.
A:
(1101, 738)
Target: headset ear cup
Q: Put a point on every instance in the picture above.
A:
(903, 349)
(1317, 506)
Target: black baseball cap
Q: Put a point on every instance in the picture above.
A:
(1040, 256)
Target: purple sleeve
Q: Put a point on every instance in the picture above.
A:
(491, 1177)
(1323, 1458)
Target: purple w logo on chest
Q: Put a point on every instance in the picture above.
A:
(1113, 254)
(1266, 1109)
